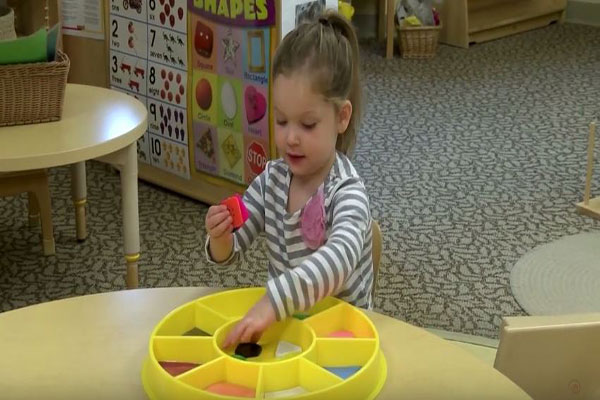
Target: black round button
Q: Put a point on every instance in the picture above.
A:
(248, 350)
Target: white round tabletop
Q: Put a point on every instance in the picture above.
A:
(93, 347)
(95, 122)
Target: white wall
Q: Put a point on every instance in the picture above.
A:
(585, 12)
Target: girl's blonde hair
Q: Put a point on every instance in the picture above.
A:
(327, 49)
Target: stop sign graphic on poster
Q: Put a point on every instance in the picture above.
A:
(256, 157)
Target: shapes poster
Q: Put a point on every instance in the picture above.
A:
(149, 60)
(230, 43)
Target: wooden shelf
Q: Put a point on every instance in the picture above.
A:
(510, 13)
(474, 21)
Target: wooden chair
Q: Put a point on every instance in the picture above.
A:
(377, 246)
(553, 357)
(35, 183)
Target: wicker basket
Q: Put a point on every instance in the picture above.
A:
(419, 41)
(7, 23)
(33, 93)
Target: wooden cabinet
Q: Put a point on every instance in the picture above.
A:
(476, 21)
(31, 15)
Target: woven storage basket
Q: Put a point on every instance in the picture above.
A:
(33, 93)
(7, 23)
(419, 41)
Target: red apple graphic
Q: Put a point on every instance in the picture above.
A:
(204, 94)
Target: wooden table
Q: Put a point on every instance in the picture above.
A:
(93, 347)
(97, 124)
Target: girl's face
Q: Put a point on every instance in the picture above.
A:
(306, 125)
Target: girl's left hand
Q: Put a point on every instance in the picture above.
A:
(254, 323)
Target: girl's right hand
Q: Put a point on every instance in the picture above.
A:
(219, 222)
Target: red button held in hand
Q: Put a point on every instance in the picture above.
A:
(237, 209)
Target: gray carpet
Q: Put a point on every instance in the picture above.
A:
(471, 159)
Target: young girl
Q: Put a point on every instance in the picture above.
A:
(311, 203)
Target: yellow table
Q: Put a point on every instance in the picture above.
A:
(93, 347)
(98, 124)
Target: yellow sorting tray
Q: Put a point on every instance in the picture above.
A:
(310, 373)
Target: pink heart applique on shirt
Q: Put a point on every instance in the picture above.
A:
(312, 224)
(256, 105)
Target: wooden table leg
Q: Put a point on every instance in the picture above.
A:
(131, 225)
(42, 195)
(389, 52)
(34, 209)
(126, 161)
(35, 183)
(79, 196)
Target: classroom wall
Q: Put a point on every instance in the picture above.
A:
(89, 60)
(30, 15)
(585, 12)
(365, 18)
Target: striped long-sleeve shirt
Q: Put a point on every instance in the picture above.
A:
(298, 275)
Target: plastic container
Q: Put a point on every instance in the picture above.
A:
(312, 370)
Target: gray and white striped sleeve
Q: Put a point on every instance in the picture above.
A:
(326, 270)
(254, 199)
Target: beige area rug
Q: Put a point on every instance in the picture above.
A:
(561, 277)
